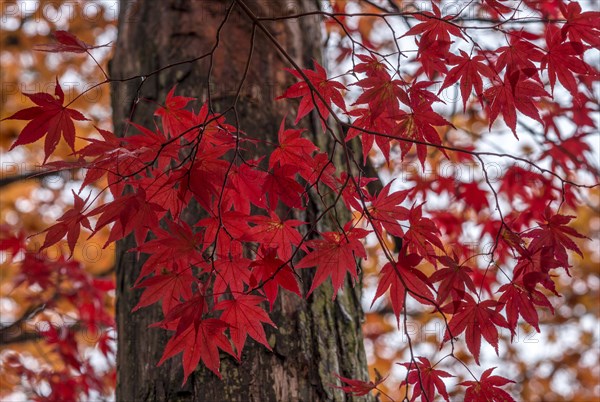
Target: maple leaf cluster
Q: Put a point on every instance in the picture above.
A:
(217, 278)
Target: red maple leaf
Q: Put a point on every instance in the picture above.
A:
(330, 91)
(231, 223)
(68, 224)
(319, 169)
(187, 314)
(371, 66)
(420, 97)
(271, 231)
(366, 119)
(175, 119)
(510, 95)
(434, 27)
(130, 213)
(432, 58)
(468, 72)
(476, 319)
(245, 317)
(292, 150)
(212, 129)
(385, 210)
(518, 56)
(497, 6)
(419, 126)
(454, 279)
(555, 234)
(563, 60)
(381, 93)
(487, 389)
(162, 190)
(403, 278)
(423, 233)
(244, 187)
(199, 343)
(231, 273)
(169, 286)
(271, 273)
(473, 196)
(534, 267)
(150, 146)
(334, 255)
(37, 270)
(581, 27)
(226, 229)
(352, 195)
(520, 301)
(206, 177)
(98, 147)
(176, 246)
(281, 185)
(48, 118)
(68, 43)
(112, 157)
(425, 379)
(358, 387)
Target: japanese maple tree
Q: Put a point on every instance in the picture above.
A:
(218, 275)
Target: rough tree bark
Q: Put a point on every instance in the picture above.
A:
(315, 337)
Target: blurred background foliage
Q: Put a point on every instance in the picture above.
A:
(56, 325)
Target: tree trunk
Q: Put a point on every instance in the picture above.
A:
(316, 337)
